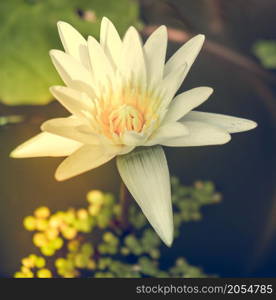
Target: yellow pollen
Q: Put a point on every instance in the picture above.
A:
(128, 108)
(126, 118)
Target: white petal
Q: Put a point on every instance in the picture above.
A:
(71, 128)
(133, 138)
(185, 102)
(74, 101)
(172, 83)
(155, 54)
(100, 64)
(200, 134)
(110, 41)
(46, 144)
(228, 123)
(125, 150)
(132, 62)
(169, 131)
(74, 43)
(146, 175)
(69, 69)
(88, 157)
(187, 53)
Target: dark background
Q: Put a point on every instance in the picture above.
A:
(236, 238)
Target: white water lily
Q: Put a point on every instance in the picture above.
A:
(121, 97)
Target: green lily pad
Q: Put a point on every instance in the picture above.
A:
(28, 31)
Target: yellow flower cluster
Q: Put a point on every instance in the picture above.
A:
(32, 265)
(53, 231)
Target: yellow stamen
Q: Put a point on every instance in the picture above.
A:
(130, 108)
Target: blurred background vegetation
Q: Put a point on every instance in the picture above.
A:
(106, 240)
(236, 237)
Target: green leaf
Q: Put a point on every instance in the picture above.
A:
(28, 31)
(265, 50)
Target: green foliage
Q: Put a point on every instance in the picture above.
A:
(265, 50)
(90, 242)
(29, 31)
(11, 119)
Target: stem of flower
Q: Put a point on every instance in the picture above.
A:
(125, 198)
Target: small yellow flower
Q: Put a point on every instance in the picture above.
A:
(51, 233)
(95, 197)
(40, 262)
(55, 221)
(41, 224)
(42, 212)
(69, 232)
(94, 209)
(82, 214)
(40, 240)
(44, 273)
(29, 223)
(27, 262)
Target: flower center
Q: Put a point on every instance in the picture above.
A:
(126, 118)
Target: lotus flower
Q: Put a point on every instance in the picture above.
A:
(121, 98)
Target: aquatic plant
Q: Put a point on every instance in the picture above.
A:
(100, 241)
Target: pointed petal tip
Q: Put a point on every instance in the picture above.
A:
(62, 23)
(54, 88)
(160, 31)
(92, 42)
(64, 26)
(252, 125)
(200, 37)
(131, 31)
(54, 52)
(162, 28)
(51, 52)
(209, 90)
(20, 152)
(199, 41)
(43, 127)
(167, 239)
(90, 38)
(205, 90)
(164, 230)
(169, 242)
(59, 177)
(15, 153)
(248, 125)
(105, 20)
